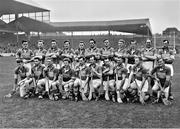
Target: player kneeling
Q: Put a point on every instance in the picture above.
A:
(81, 82)
(108, 79)
(95, 79)
(23, 85)
(38, 76)
(49, 84)
(121, 74)
(67, 79)
(138, 82)
(162, 76)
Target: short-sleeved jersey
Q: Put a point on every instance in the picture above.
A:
(119, 70)
(26, 54)
(122, 52)
(148, 52)
(80, 52)
(107, 51)
(105, 75)
(83, 71)
(37, 72)
(132, 52)
(139, 71)
(51, 72)
(91, 51)
(55, 51)
(97, 68)
(21, 71)
(165, 53)
(40, 52)
(161, 72)
(66, 74)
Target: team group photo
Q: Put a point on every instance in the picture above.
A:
(88, 74)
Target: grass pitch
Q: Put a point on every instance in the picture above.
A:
(31, 113)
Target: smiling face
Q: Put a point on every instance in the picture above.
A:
(160, 63)
(36, 62)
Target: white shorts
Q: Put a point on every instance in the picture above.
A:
(24, 86)
(82, 85)
(148, 65)
(111, 84)
(96, 83)
(171, 67)
(156, 87)
(145, 86)
(28, 65)
(48, 84)
(125, 86)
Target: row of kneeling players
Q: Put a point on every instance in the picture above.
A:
(92, 78)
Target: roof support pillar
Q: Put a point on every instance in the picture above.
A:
(16, 16)
(35, 16)
(72, 39)
(42, 16)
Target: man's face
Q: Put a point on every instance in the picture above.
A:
(137, 60)
(81, 61)
(66, 45)
(49, 62)
(148, 44)
(36, 62)
(19, 64)
(133, 44)
(81, 45)
(92, 60)
(106, 61)
(120, 61)
(53, 44)
(106, 43)
(25, 45)
(40, 44)
(166, 44)
(92, 43)
(120, 44)
(66, 63)
(160, 62)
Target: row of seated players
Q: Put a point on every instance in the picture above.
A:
(122, 75)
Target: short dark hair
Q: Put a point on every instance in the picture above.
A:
(41, 41)
(66, 41)
(53, 40)
(133, 41)
(105, 40)
(23, 41)
(92, 40)
(81, 42)
(166, 41)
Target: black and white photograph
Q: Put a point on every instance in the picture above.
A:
(89, 63)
